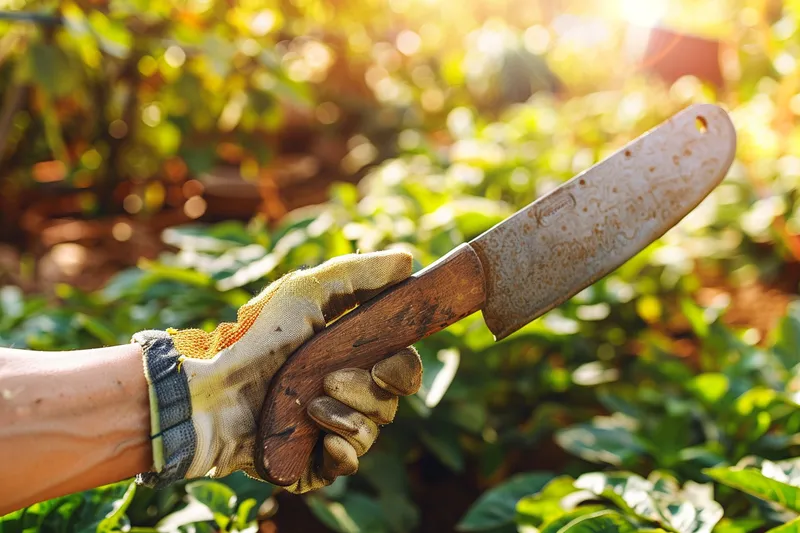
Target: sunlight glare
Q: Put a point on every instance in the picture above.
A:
(646, 13)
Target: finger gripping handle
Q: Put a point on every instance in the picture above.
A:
(442, 294)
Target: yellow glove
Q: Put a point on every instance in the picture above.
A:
(207, 389)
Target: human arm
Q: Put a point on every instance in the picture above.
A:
(70, 421)
(182, 404)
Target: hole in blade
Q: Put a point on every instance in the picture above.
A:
(701, 124)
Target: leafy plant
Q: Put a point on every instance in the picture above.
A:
(658, 399)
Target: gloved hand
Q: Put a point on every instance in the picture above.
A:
(207, 389)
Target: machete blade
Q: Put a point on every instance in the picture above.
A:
(568, 239)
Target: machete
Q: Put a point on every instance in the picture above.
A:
(513, 273)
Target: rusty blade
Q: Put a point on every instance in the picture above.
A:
(565, 241)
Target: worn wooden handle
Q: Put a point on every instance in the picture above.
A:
(442, 294)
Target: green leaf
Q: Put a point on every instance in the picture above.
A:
(193, 514)
(786, 337)
(667, 437)
(738, 525)
(246, 487)
(160, 271)
(219, 499)
(497, 506)
(114, 517)
(103, 507)
(55, 513)
(774, 482)
(244, 512)
(710, 387)
(98, 510)
(657, 499)
(443, 442)
(98, 328)
(605, 440)
(355, 513)
(50, 68)
(549, 504)
(386, 472)
(789, 527)
(401, 515)
(590, 520)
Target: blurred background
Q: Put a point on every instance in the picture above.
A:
(161, 161)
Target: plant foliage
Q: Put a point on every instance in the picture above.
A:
(657, 400)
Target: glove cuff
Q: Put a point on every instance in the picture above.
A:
(172, 434)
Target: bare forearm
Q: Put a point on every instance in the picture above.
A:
(70, 421)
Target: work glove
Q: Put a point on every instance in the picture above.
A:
(207, 389)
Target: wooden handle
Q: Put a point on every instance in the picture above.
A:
(440, 295)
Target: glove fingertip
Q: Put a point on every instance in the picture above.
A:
(336, 417)
(400, 374)
(339, 457)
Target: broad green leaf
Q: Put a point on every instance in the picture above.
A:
(246, 487)
(498, 505)
(219, 499)
(605, 440)
(590, 520)
(554, 500)
(355, 513)
(98, 510)
(658, 499)
(208, 238)
(738, 525)
(774, 482)
(158, 271)
(193, 514)
(103, 509)
(33, 519)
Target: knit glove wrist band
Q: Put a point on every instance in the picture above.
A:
(171, 432)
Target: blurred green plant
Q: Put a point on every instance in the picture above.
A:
(642, 404)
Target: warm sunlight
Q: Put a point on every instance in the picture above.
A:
(647, 13)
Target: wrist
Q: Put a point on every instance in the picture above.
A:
(200, 426)
(172, 434)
